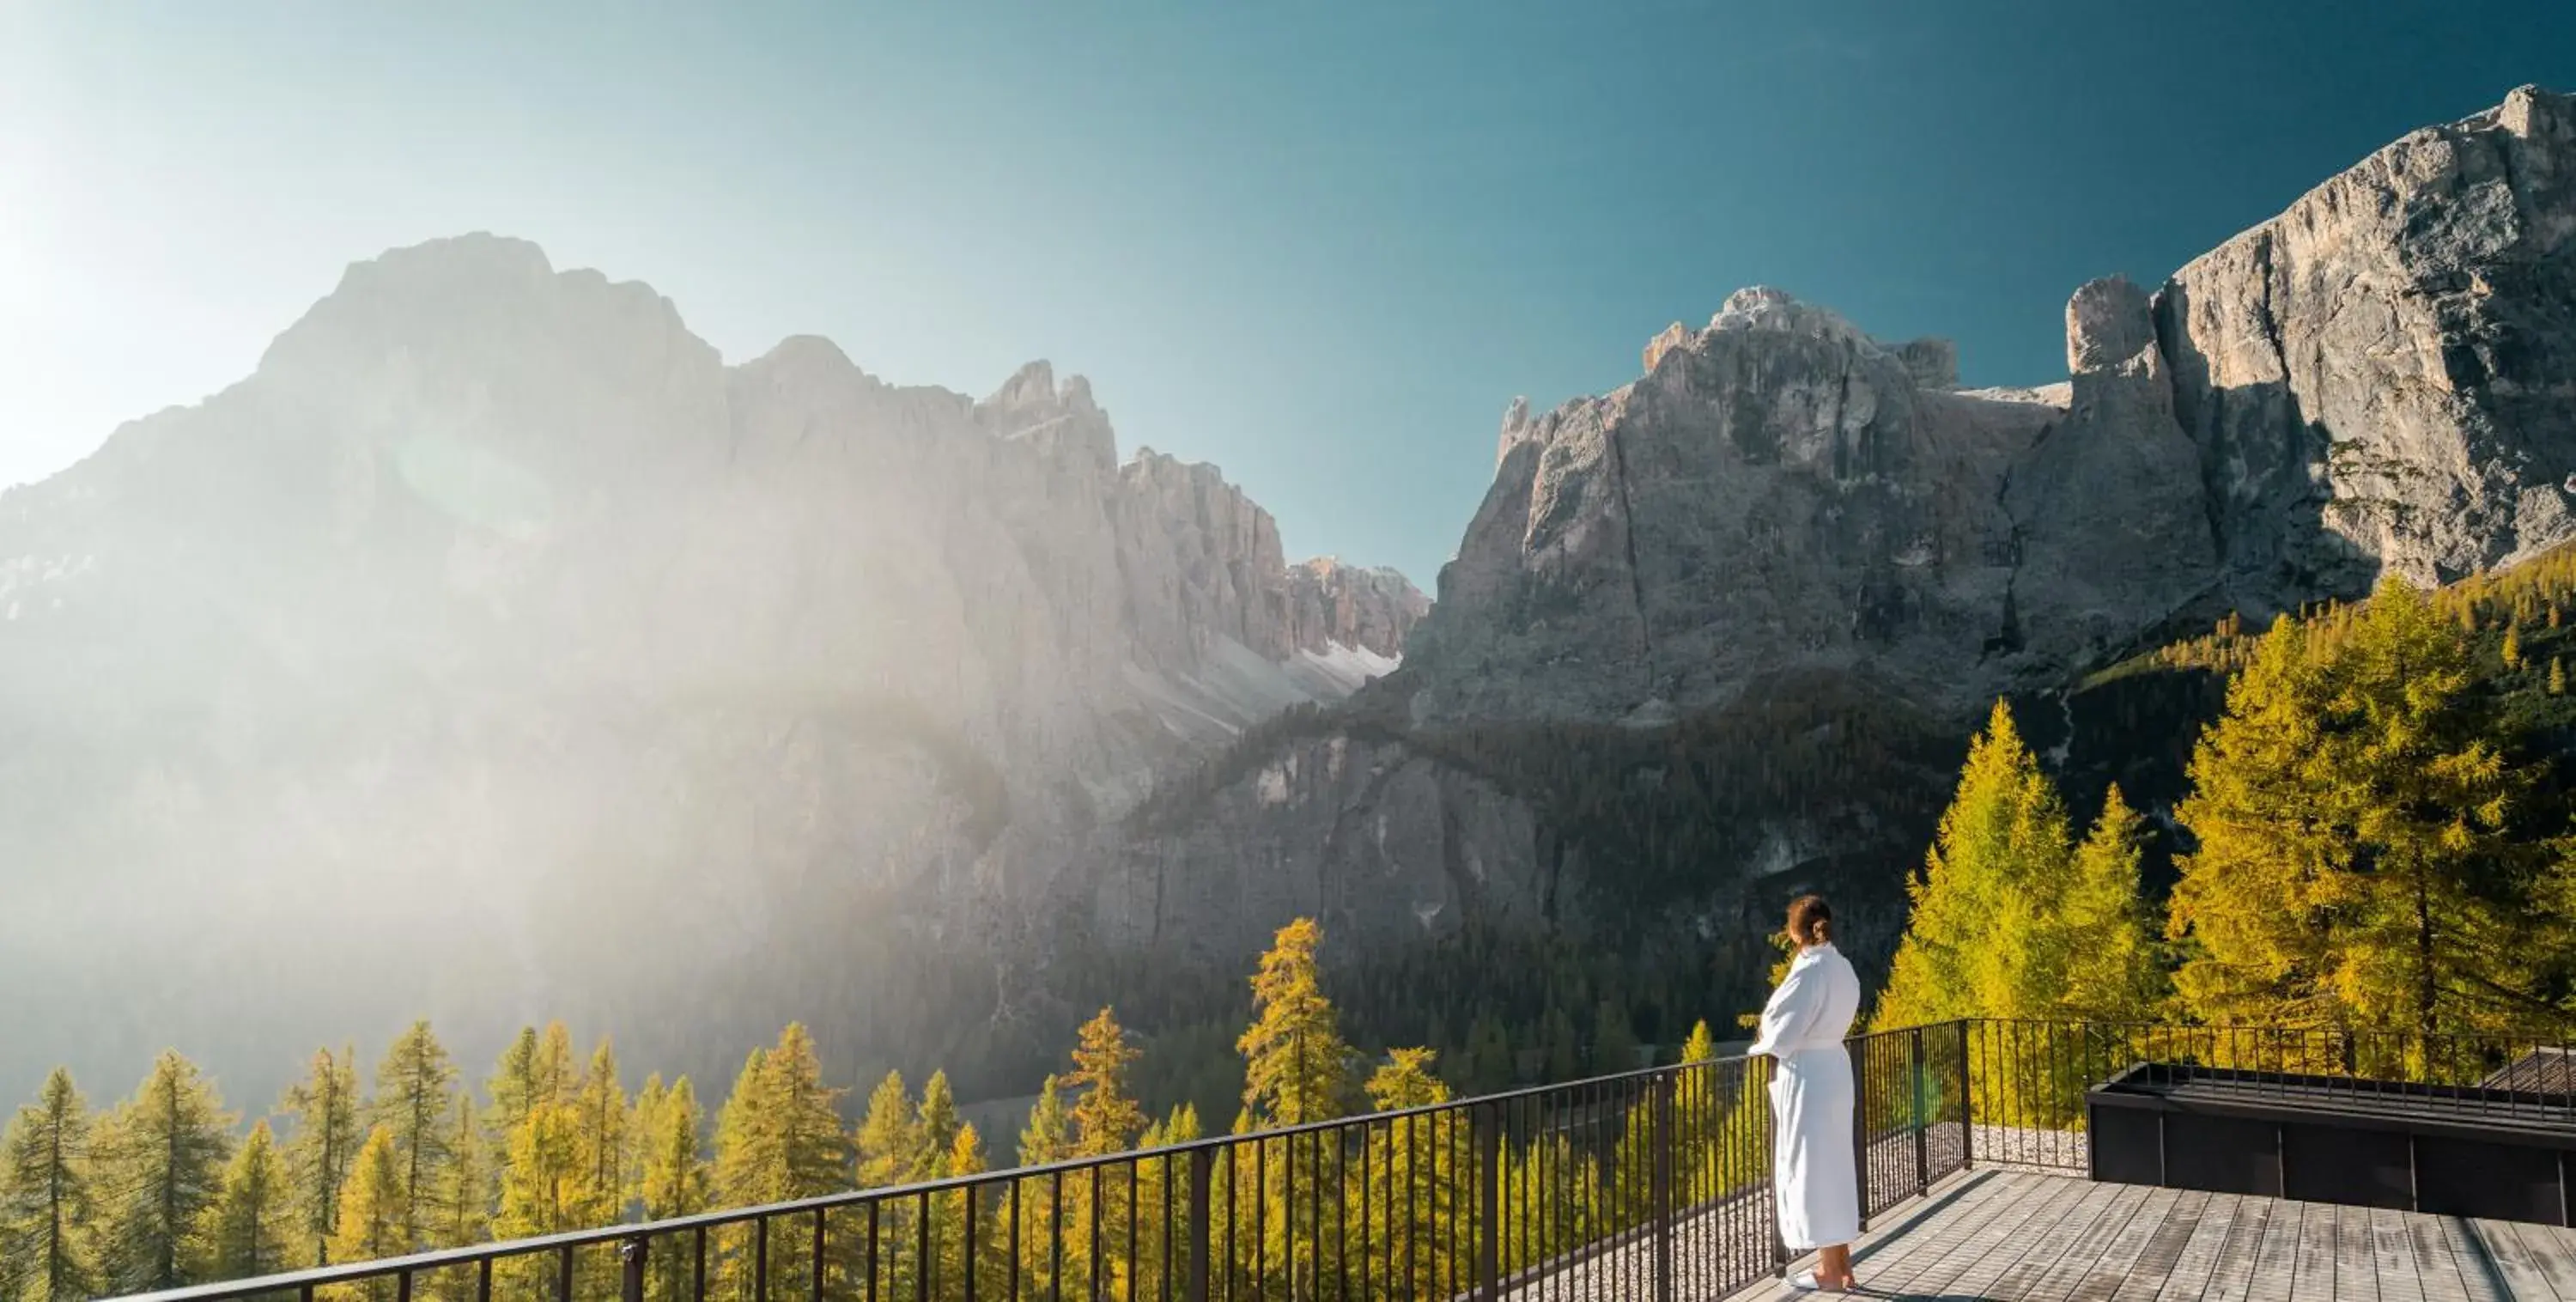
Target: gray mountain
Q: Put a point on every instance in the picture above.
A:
(497, 651)
(1720, 633)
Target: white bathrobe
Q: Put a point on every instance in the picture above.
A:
(1815, 1175)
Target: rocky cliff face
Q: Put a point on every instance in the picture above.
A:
(497, 629)
(2383, 377)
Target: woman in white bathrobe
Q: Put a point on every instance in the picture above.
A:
(1815, 1175)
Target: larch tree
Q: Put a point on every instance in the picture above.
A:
(600, 1102)
(779, 1138)
(326, 1107)
(1702, 1044)
(935, 1126)
(1106, 1118)
(2113, 971)
(1982, 941)
(48, 1198)
(1046, 1139)
(1420, 1156)
(886, 1142)
(414, 1093)
(248, 1229)
(164, 1163)
(2349, 810)
(1296, 1064)
(473, 1168)
(674, 1172)
(370, 1221)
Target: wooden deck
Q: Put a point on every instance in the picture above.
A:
(2055, 1238)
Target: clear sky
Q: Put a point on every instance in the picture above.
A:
(1320, 245)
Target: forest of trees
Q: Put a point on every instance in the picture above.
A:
(2374, 846)
(166, 1189)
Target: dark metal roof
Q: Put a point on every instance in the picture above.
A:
(2541, 1071)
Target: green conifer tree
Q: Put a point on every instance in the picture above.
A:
(1614, 1040)
(369, 1222)
(464, 1209)
(1983, 940)
(413, 1098)
(600, 1103)
(1296, 1064)
(1702, 1044)
(326, 1107)
(246, 1231)
(48, 1197)
(165, 1160)
(888, 1144)
(934, 1128)
(2348, 811)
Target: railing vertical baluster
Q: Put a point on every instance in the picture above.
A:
(697, 1267)
(1967, 1096)
(1917, 1104)
(923, 1263)
(966, 1236)
(631, 1255)
(402, 1287)
(876, 1250)
(1489, 1170)
(1202, 1169)
(1055, 1236)
(760, 1258)
(563, 1275)
(1663, 1195)
(814, 1291)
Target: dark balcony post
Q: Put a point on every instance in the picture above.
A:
(1920, 1093)
(1202, 1172)
(1860, 1127)
(1663, 1203)
(1967, 1114)
(1489, 1189)
(631, 1255)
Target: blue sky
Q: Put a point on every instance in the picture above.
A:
(1322, 246)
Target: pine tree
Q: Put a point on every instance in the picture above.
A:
(514, 1087)
(1701, 1046)
(47, 1198)
(1407, 1080)
(1488, 1069)
(371, 1208)
(546, 1184)
(165, 1157)
(603, 1139)
(1556, 1044)
(934, 1129)
(1614, 1041)
(246, 1231)
(674, 1177)
(886, 1143)
(2112, 970)
(959, 1227)
(465, 1214)
(1296, 1065)
(2348, 810)
(1105, 1118)
(412, 1102)
(1983, 940)
(1047, 1139)
(778, 1139)
(555, 1076)
(326, 1107)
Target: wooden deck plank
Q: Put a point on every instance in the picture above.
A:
(2081, 1261)
(1996, 1253)
(2392, 1256)
(2356, 1261)
(2556, 1264)
(2232, 1278)
(2312, 1272)
(2012, 1274)
(2469, 1262)
(2521, 1274)
(1895, 1251)
(2163, 1250)
(2033, 1202)
(2146, 1223)
(2189, 1277)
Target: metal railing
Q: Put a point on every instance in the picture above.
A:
(1649, 1184)
(1652, 1184)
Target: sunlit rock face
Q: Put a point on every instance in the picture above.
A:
(495, 631)
(2381, 378)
